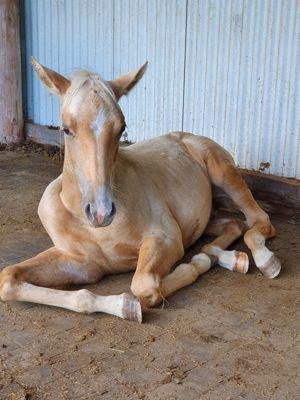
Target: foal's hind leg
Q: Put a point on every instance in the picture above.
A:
(227, 231)
(257, 219)
(152, 281)
(32, 279)
(223, 173)
(158, 253)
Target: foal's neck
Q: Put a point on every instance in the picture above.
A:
(70, 194)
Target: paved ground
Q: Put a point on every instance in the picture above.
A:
(228, 336)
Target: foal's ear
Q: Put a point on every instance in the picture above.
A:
(55, 82)
(122, 85)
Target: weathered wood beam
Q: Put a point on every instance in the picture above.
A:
(11, 113)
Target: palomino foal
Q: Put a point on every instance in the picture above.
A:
(135, 208)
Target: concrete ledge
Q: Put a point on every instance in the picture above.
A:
(43, 134)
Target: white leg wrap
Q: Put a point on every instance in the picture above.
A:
(231, 260)
(261, 256)
(266, 261)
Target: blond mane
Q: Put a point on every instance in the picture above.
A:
(83, 77)
(84, 82)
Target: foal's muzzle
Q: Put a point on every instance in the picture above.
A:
(99, 219)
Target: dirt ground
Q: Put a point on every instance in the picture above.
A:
(228, 336)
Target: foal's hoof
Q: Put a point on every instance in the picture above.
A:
(241, 263)
(132, 309)
(271, 268)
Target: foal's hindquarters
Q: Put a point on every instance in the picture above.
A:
(163, 201)
(152, 281)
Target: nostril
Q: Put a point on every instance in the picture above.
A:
(113, 210)
(88, 210)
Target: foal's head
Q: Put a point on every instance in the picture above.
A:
(93, 124)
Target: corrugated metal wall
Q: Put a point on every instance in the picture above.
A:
(227, 69)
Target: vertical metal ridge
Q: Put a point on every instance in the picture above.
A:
(294, 118)
(262, 54)
(289, 134)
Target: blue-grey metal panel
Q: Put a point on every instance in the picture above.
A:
(227, 69)
(242, 79)
(64, 35)
(111, 37)
(154, 31)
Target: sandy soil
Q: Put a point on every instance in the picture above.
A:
(228, 336)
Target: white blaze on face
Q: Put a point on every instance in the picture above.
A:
(98, 123)
(104, 200)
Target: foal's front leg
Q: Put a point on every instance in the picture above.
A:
(152, 281)
(158, 253)
(32, 280)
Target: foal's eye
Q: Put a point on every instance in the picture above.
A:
(68, 132)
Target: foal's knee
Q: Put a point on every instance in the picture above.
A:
(8, 279)
(146, 287)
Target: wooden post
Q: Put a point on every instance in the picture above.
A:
(11, 113)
